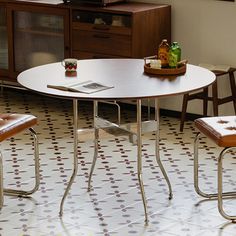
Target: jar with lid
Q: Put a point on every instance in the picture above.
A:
(163, 53)
(174, 55)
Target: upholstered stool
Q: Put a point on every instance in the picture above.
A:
(204, 96)
(221, 130)
(10, 125)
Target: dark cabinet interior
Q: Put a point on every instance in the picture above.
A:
(3, 41)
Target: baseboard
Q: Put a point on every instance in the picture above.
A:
(163, 112)
(177, 114)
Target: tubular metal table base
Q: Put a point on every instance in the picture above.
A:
(142, 127)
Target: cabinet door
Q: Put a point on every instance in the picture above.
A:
(3, 42)
(40, 36)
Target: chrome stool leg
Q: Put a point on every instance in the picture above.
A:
(220, 188)
(196, 177)
(1, 182)
(14, 192)
(219, 195)
(196, 169)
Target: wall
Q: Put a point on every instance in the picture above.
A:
(206, 31)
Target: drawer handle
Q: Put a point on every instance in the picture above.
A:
(101, 36)
(101, 28)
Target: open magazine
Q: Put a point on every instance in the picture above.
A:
(88, 86)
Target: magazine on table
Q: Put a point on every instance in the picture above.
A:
(88, 86)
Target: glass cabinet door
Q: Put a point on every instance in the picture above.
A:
(38, 39)
(3, 39)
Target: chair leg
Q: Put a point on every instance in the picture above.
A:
(219, 195)
(196, 177)
(205, 101)
(233, 89)
(183, 113)
(215, 98)
(196, 169)
(1, 182)
(220, 188)
(15, 192)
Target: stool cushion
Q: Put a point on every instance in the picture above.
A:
(11, 124)
(221, 129)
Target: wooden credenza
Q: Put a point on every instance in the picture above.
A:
(35, 32)
(121, 30)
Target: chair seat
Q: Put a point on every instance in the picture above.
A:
(221, 129)
(11, 124)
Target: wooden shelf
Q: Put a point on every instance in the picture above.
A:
(40, 31)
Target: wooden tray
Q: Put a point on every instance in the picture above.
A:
(180, 70)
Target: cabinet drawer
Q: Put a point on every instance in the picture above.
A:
(102, 28)
(105, 43)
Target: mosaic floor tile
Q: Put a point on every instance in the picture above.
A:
(114, 205)
(184, 229)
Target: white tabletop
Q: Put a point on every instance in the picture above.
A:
(126, 75)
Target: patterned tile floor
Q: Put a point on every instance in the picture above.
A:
(114, 206)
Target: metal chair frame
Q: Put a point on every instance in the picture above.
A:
(219, 195)
(22, 193)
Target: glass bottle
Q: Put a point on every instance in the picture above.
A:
(163, 53)
(174, 55)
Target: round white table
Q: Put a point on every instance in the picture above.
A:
(130, 82)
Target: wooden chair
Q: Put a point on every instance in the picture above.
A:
(11, 125)
(203, 95)
(221, 130)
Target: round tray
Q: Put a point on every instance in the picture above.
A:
(165, 71)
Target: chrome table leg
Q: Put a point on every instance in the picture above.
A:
(157, 147)
(75, 170)
(139, 156)
(96, 136)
